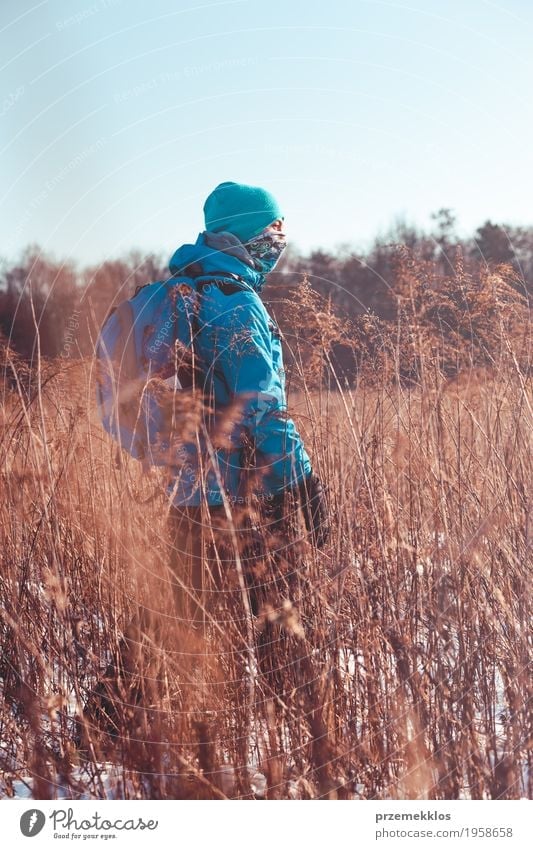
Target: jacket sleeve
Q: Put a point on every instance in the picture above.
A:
(241, 344)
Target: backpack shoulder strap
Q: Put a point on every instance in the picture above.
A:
(225, 286)
(226, 281)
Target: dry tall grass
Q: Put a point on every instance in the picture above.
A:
(394, 664)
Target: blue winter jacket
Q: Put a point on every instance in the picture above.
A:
(239, 346)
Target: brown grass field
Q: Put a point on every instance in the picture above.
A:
(394, 664)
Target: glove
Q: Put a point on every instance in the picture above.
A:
(315, 509)
(310, 493)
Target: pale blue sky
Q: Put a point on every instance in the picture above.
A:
(119, 116)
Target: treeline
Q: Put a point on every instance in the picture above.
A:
(453, 290)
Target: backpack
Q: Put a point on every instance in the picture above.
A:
(144, 353)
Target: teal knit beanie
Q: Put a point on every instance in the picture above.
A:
(241, 210)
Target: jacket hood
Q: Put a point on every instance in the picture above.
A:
(216, 252)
